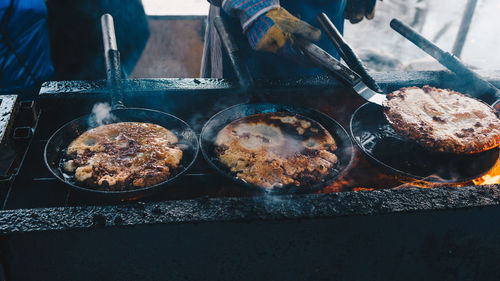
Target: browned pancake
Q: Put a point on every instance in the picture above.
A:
(123, 156)
(277, 149)
(443, 120)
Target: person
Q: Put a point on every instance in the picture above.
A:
(25, 61)
(264, 31)
(76, 37)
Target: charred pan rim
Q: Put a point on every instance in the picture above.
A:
(207, 145)
(124, 193)
(422, 135)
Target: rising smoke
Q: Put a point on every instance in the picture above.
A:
(101, 114)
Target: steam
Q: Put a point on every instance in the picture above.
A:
(101, 114)
(197, 119)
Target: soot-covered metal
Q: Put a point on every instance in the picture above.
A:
(206, 227)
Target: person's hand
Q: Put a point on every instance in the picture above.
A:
(356, 10)
(274, 32)
(269, 27)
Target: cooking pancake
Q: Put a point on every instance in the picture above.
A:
(443, 120)
(123, 156)
(277, 149)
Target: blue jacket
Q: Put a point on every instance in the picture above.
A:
(25, 60)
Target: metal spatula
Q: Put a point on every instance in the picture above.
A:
(332, 66)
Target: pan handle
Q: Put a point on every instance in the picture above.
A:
(448, 60)
(346, 52)
(112, 59)
(327, 62)
(232, 50)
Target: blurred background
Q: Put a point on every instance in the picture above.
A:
(177, 27)
(175, 46)
(164, 38)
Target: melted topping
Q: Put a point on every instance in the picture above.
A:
(123, 155)
(443, 120)
(277, 149)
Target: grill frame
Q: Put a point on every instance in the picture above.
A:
(59, 93)
(274, 207)
(449, 219)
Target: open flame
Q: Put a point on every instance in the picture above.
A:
(361, 178)
(492, 177)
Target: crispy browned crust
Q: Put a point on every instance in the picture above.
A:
(277, 149)
(123, 156)
(443, 120)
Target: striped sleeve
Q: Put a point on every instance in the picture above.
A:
(248, 10)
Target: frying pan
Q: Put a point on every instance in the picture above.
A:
(55, 148)
(217, 122)
(376, 138)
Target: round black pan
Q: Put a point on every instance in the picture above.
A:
(56, 147)
(376, 138)
(54, 153)
(210, 130)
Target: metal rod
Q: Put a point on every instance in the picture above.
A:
(112, 60)
(464, 27)
(489, 93)
(346, 52)
(108, 34)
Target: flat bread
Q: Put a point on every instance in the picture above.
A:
(123, 156)
(443, 120)
(277, 149)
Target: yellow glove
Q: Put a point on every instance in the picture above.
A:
(281, 27)
(355, 10)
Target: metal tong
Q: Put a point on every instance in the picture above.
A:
(346, 52)
(312, 51)
(335, 68)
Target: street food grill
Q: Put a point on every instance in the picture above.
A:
(313, 96)
(277, 149)
(359, 208)
(201, 202)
